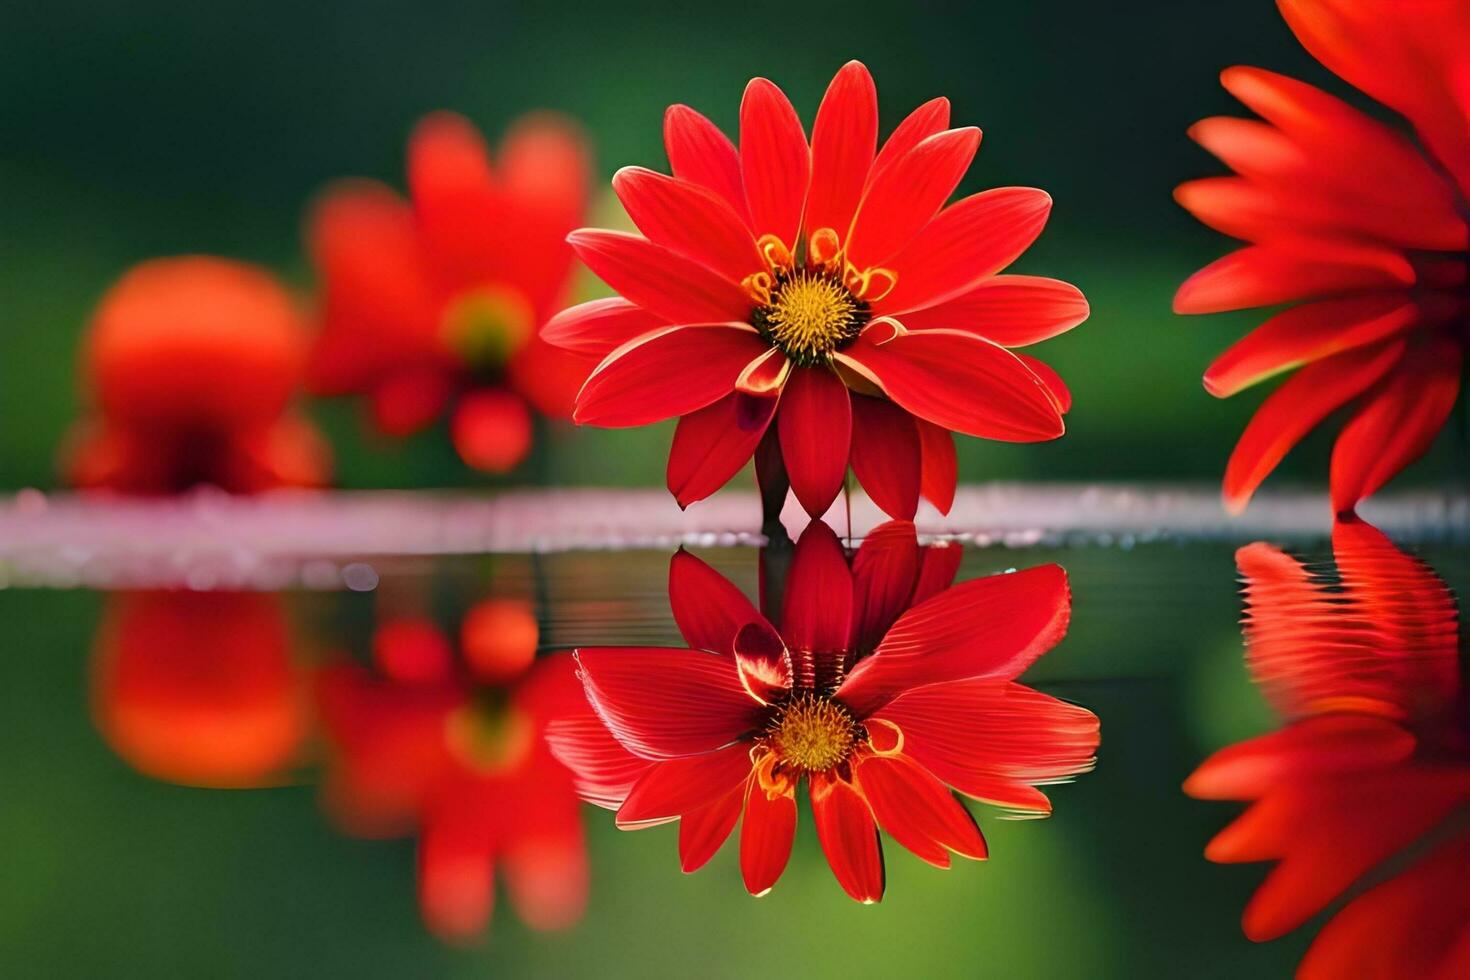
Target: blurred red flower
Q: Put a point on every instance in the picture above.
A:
(882, 688)
(199, 687)
(1361, 226)
(1361, 794)
(434, 302)
(825, 280)
(453, 751)
(191, 363)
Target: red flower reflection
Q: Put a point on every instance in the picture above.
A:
(824, 279)
(435, 302)
(454, 752)
(1362, 227)
(1364, 792)
(191, 362)
(878, 706)
(198, 687)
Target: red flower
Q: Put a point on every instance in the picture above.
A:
(456, 754)
(191, 363)
(199, 687)
(826, 281)
(437, 300)
(1345, 213)
(878, 706)
(1373, 761)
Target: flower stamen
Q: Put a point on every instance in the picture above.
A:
(809, 315)
(812, 733)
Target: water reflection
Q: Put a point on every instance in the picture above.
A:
(1362, 797)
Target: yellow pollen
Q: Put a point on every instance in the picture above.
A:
(812, 733)
(810, 314)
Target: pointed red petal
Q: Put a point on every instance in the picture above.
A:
(940, 564)
(766, 834)
(844, 138)
(1263, 275)
(993, 740)
(884, 571)
(763, 661)
(903, 197)
(968, 242)
(689, 220)
(1293, 409)
(917, 810)
(887, 457)
(1398, 422)
(958, 381)
(816, 619)
(599, 327)
(1308, 333)
(711, 445)
(703, 831)
(701, 154)
(928, 119)
(669, 372)
(660, 281)
(455, 201)
(1061, 395)
(774, 161)
(940, 472)
(708, 609)
(849, 837)
(603, 771)
(1012, 311)
(992, 627)
(815, 424)
(680, 786)
(456, 884)
(546, 873)
(663, 703)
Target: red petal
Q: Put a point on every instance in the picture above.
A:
(887, 457)
(764, 663)
(992, 627)
(766, 834)
(1398, 422)
(456, 890)
(917, 810)
(702, 831)
(849, 837)
(994, 740)
(1293, 409)
(1333, 744)
(940, 564)
(711, 445)
(968, 242)
(708, 609)
(816, 618)
(456, 204)
(668, 286)
(546, 874)
(884, 571)
(1061, 395)
(1012, 311)
(680, 786)
(958, 381)
(663, 703)
(690, 220)
(774, 161)
(815, 424)
(940, 472)
(1263, 275)
(603, 771)
(1308, 333)
(491, 430)
(408, 401)
(903, 197)
(701, 154)
(928, 119)
(844, 138)
(599, 327)
(672, 371)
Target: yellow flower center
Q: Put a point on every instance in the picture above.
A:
(810, 314)
(812, 733)
(489, 734)
(485, 327)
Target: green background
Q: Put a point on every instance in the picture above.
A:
(140, 129)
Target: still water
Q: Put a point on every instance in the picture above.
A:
(174, 767)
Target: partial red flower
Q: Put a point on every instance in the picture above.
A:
(190, 364)
(451, 748)
(1359, 226)
(878, 685)
(1361, 795)
(820, 296)
(432, 305)
(199, 687)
